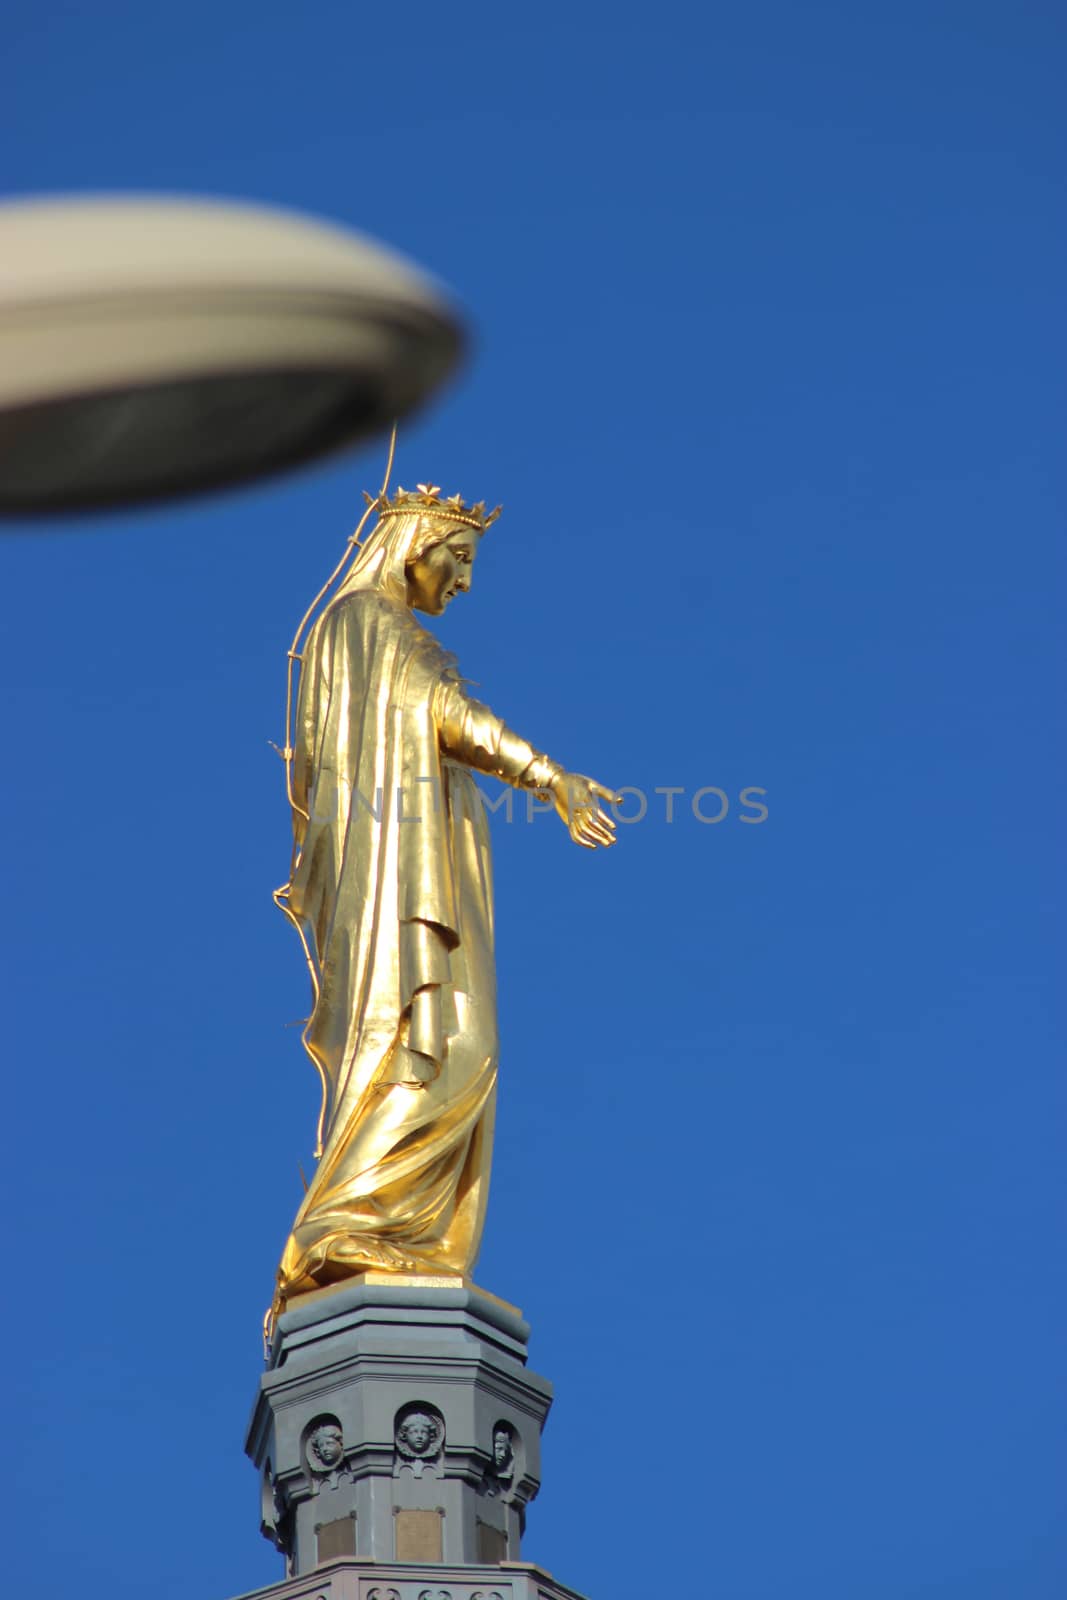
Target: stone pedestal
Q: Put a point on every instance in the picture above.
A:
(397, 1435)
(357, 1580)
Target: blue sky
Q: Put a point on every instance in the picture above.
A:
(768, 375)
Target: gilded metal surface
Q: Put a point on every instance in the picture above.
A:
(391, 890)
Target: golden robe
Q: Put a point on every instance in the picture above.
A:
(392, 884)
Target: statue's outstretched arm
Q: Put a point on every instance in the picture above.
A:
(471, 733)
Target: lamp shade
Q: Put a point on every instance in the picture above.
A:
(151, 348)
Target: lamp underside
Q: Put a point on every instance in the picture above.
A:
(165, 440)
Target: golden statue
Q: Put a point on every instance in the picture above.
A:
(391, 890)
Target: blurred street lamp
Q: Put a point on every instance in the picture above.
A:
(151, 348)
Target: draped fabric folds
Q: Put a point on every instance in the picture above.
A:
(392, 883)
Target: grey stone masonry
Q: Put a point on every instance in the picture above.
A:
(398, 1424)
(355, 1580)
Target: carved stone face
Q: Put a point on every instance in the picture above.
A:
(442, 571)
(327, 1444)
(417, 1433)
(502, 1451)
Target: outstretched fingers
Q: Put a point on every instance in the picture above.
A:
(586, 823)
(592, 827)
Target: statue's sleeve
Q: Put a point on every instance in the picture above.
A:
(469, 732)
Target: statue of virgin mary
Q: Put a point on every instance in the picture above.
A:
(391, 889)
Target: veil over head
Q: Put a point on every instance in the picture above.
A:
(392, 544)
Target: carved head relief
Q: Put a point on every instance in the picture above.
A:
(325, 1447)
(417, 1432)
(503, 1475)
(503, 1449)
(420, 1435)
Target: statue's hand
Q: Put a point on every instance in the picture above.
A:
(575, 799)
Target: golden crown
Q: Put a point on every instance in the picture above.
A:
(425, 501)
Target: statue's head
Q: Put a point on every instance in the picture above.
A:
(327, 1444)
(422, 547)
(441, 568)
(443, 546)
(503, 1449)
(418, 1432)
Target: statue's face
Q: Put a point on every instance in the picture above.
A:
(417, 1433)
(327, 1445)
(501, 1447)
(442, 571)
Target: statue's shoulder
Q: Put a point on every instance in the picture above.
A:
(363, 622)
(362, 606)
(355, 602)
